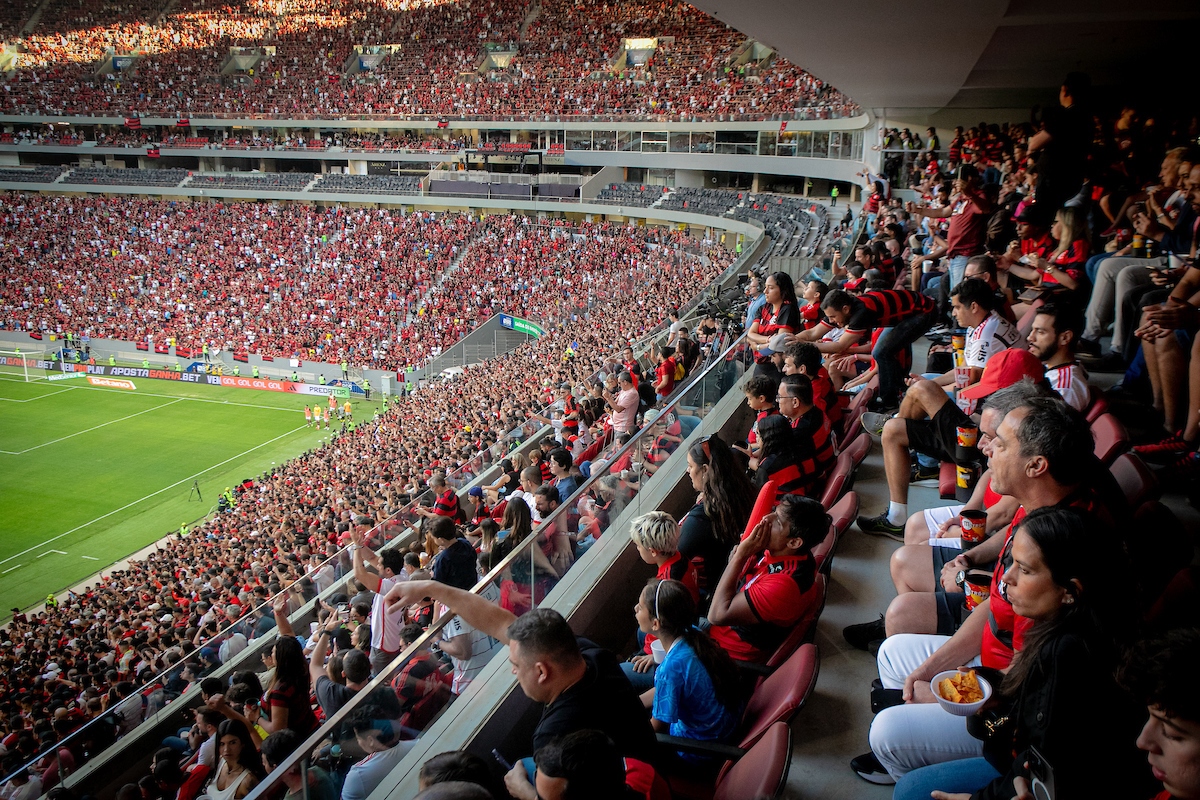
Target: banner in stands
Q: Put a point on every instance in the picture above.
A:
(521, 325)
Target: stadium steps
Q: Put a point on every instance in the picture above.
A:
(658, 203)
(534, 12)
(34, 18)
(451, 268)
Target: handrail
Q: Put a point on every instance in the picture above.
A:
(405, 513)
(454, 478)
(428, 637)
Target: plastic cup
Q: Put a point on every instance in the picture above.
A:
(656, 650)
(973, 525)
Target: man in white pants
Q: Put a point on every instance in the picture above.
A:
(1042, 456)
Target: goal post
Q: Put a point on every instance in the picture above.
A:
(24, 364)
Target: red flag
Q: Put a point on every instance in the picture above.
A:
(182, 123)
(133, 123)
(783, 126)
(162, 348)
(183, 352)
(142, 346)
(152, 152)
(37, 336)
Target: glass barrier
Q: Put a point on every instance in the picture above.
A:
(800, 114)
(399, 528)
(407, 696)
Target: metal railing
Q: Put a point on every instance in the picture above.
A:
(607, 472)
(391, 531)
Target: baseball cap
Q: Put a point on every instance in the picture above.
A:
(777, 344)
(1003, 370)
(475, 492)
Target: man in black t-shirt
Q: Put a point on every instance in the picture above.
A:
(580, 683)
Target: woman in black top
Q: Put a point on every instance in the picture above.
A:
(776, 459)
(715, 524)
(780, 314)
(1060, 695)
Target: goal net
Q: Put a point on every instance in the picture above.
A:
(28, 365)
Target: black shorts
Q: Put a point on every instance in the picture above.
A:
(941, 557)
(938, 437)
(951, 611)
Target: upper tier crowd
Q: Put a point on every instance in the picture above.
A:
(367, 286)
(565, 62)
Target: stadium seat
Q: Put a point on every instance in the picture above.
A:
(814, 603)
(823, 551)
(947, 481)
(760, 774)
(844, 511)
(1098, 407)
(843, 469)
(1135, 479)
(777, 698)
(1111, 438)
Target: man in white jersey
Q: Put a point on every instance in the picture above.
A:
(1052, 339)
(389, 570)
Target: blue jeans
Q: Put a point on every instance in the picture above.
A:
(958, 268)
(967, 775)
(890, 344)
(641, 681)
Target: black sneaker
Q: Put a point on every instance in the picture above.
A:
(1087, 347)
(1108, 363)
(861, 635)
(869, 769)
(920, 472)
(879, 526)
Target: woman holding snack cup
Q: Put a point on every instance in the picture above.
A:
(1064, 714)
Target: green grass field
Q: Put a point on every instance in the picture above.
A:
(89, 475)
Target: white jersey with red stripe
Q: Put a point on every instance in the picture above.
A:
(989, 337)
(1070, 381)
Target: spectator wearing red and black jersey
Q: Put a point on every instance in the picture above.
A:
(1063, 268)
(803, 358)
(904, 315)
(762, 592)
(969, 211)
(780, 314)
(656, 537)
(421, 686)
(446, 502)
(776, 459)
(810, 312)
(571, 413)
(812, 436)
(760, 397)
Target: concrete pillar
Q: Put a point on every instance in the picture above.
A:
(854, 192)
(806, 181)
(266, 165)
(755, 182)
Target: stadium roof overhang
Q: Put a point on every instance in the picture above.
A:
(985, 54)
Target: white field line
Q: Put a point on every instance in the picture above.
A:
(140, 393)
(93, 428)
(147, 497)
(40, 396)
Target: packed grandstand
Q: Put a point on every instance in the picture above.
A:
(566, 63)
(479, 495)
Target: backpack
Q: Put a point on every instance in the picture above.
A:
(679, 371)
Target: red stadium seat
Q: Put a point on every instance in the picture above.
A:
(844, 511)
(823, 552)
(1111, 438)
(843, 470)
(947, 481)
(1099, 406)
(1135, 479)
(762, 773)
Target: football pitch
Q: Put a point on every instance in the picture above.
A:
(90, 475)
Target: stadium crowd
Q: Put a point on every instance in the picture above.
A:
(1077, 624)
(565, 64)
(160, 612)
(319, 284)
